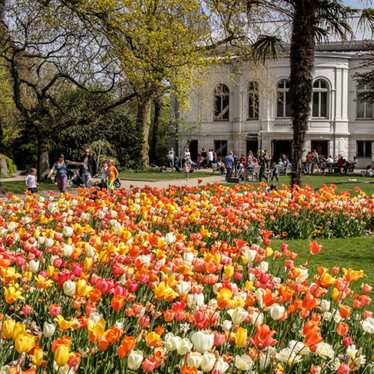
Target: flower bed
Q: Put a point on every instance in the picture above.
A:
(180, 280)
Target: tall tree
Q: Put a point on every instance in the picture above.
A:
(46, 51)
(310, 21)
(158, 43)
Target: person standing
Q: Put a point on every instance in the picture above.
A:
(171, 157)
(89, 167)
(31, 182)
(263, 160)
(113, 174)
(210, 157)
(229, 164)
(60, 167)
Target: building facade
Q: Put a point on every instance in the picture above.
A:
(242, 107)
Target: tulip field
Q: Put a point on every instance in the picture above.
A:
(182, 280)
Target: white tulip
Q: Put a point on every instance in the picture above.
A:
(264, 266)
(202, 340)
(221, 365)
(34, 266)
(277, 311)
(257, 318)
(68, 250)
(12, 226)
(69, 288)
(368, 325)
(49, 242)
(183, 287)
(303, 276)
(327, 316)
(41, 240)
(134, 360)
(325, 350)
(48, 329)
(195, 300)
(325, 305)
(67, 231)
(170, 238)
(184, 347)
(243, 362)
(194, 359)
(249, 254)
(226, 325)
(208, 361)
(188, 257)
(238, 315)
(288, 356)
(172, 342)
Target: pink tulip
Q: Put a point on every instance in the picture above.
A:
(219, 339)
(343, 369)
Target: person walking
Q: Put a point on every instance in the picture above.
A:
(89, 167)
(31, 181)
(60, 167)
(229, 164)
(113, 174)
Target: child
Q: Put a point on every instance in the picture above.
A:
(104, 175)
(31, 184)
(274, 172)
(112, 174)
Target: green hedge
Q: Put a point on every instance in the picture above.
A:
(12, 168)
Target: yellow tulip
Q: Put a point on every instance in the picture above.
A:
(25, 342)
(228, 272)
(12, 294)
(19, 328)
(8, 328)
(62, 355)
(83, 289)
(37, 357)
(97, 329)
(241, 337)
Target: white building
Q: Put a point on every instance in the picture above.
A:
(240, 107)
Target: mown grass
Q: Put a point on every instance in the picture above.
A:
(160, 176)
(355, 253)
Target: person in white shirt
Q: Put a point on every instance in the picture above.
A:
(210, 157)
(31, 183)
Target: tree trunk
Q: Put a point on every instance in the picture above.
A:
(43, 157)
(143, 123)
(301, 79)
(155, 129)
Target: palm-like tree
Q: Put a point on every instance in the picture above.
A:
(311, 21)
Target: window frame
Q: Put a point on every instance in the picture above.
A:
(225, 93)
(284, 91)
(253, 94)
(366, 149)
(320, 90)
(365, 103)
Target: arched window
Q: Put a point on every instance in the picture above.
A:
(283, 99)
(320, 99)
(365, 108)
(221, 103)
(253, 100)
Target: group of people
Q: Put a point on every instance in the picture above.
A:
(86, 170)
(261, 167)
(319, 164)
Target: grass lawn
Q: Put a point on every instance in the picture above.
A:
(343, 183)
(355, 253)
(157, 176)
(18, 187)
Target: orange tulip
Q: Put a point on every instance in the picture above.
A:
(342, 329)
(127, 345)
(117, 303)
(314, 248)
(344, 311)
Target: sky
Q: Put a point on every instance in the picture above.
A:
(357, 3)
